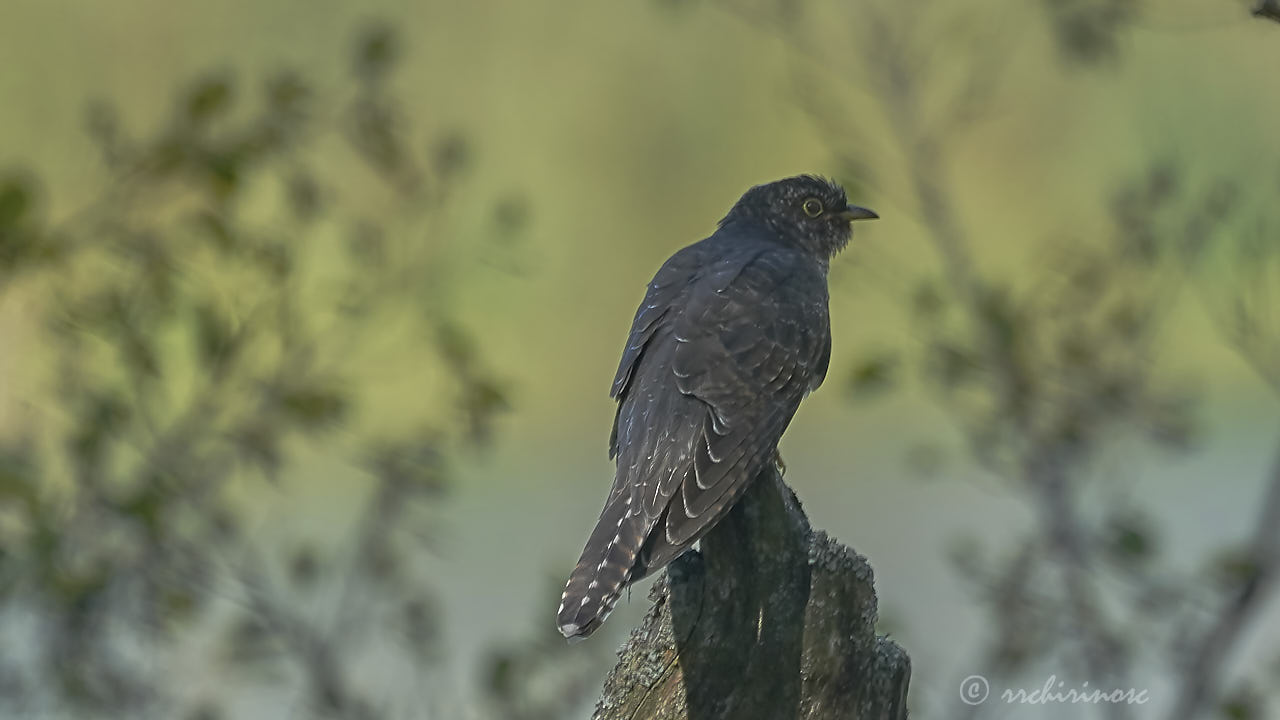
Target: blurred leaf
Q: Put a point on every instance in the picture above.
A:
(418, 465)
(952, 364)
(1090, 31)
(313, 406)
(275, 259)
(422, 627)
(16, 199)
(248, 644)
(287, 119)
(450, 156)
(1077, 353)
(179, 605)
(21, 241)
(512, 215)
(304, 195)
(304, 566)
(1171, 420)
(1269, 9)
(927, 301)
(102, 123)
(287, 94)
(481, 401)
(1128, 321)
(377, 50)
(215, 227)
(455, 345)
(224, 525)
(208, 98)
(224, 170)
(1221, 199)
(18, 478)
(139, 353)
(874, 375)
(1243, 703)
(103, 416)
(1163, 181)
(167, 156)
(1231, 568)
(501, 674)
(259, 444)
(367, 245)
(147, 507)
(1130, 537)
(374, 131)
(215, 340)
(997, 313)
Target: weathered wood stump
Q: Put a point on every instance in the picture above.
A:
(771, 620)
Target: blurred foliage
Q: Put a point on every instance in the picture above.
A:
(539, 678)
(1091, 31)
(219, 316)
(1049, 374)
(1268, 9)
(203, 342)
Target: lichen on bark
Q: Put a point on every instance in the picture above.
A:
(769, 619)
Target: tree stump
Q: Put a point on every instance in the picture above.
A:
(770, 620)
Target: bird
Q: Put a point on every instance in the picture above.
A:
(733, 332)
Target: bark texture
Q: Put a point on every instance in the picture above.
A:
(770, 620)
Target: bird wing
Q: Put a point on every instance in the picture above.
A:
(719, 356)
(714, 387)
(661, 297)
(749, 352)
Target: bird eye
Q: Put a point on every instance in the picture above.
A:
(812, 207)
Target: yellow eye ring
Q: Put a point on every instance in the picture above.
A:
(812, 207)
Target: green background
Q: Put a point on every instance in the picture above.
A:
(630, 129)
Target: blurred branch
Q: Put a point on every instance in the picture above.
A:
(325, 682)
(1045, 465)
(1267, 9)
(199, 344)
(1106, 655)
(1042, 381)
(1247, 327)
(1200, 677)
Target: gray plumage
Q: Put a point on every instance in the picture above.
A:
(732, 334)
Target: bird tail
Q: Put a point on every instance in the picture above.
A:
(604, 568)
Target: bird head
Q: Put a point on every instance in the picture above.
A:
(807, 211)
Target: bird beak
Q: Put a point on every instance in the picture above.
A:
(853, 212)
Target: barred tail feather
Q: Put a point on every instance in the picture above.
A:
(603, 570)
